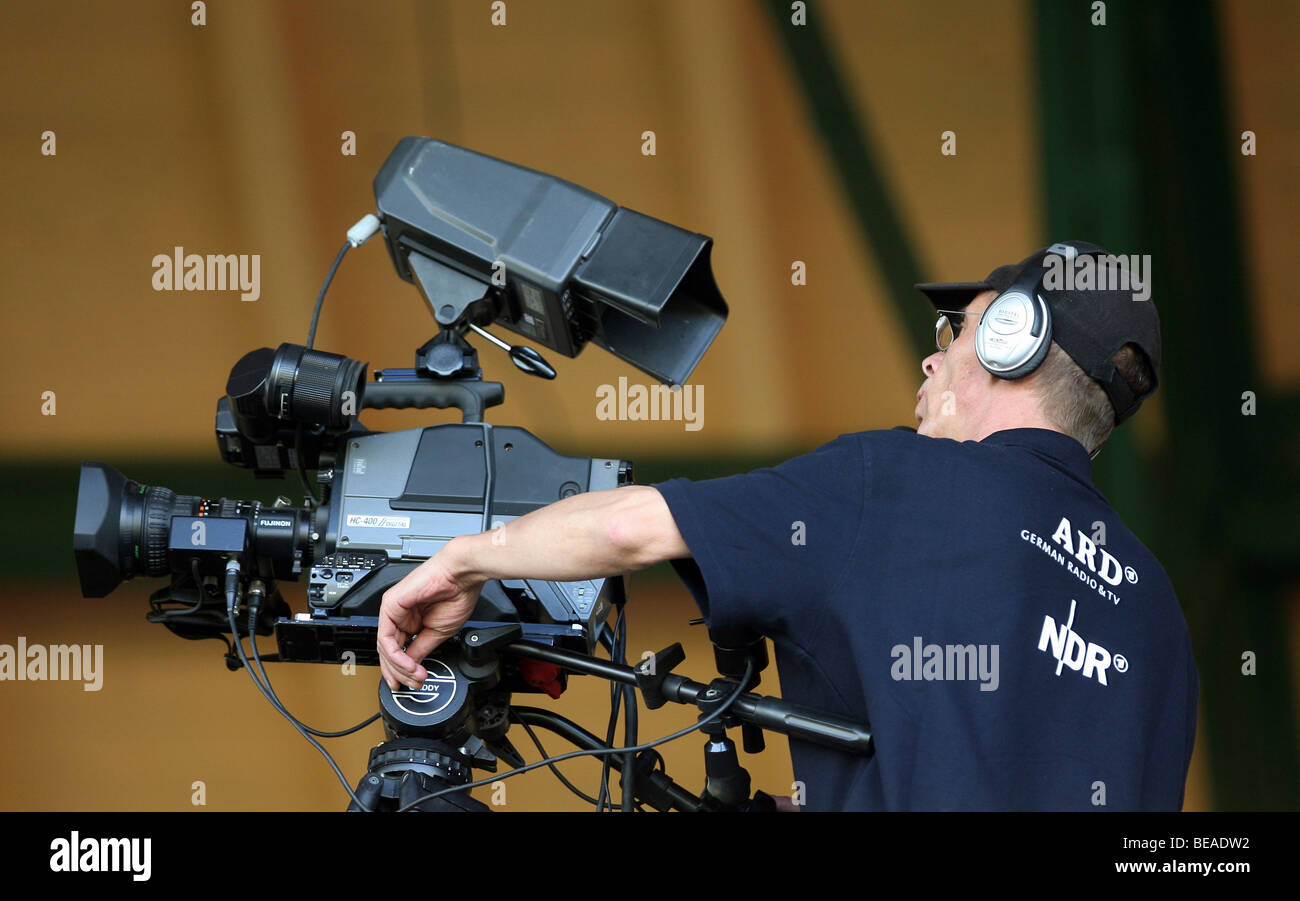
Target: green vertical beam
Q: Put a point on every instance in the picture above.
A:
(1137, 148)
(1092, 191)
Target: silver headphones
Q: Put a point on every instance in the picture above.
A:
(1015, 332)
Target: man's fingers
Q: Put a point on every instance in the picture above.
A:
(391, 676)
(397, 608)
(399, 617)
(392, 649)
(386, 670)
(384, 673)
(401, 665)
(421, 647)
(391, 635)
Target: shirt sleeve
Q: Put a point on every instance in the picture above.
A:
(767, 547)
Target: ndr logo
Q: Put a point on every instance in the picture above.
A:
(1071, 650)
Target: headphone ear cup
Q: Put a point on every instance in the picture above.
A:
(987, 339)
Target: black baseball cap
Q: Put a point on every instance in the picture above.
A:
(1090, 323)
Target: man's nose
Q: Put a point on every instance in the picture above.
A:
(930, 365)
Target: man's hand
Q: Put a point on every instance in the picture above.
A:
(592, 535)
(431, 601)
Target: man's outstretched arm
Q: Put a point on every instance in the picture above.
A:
(587, 536)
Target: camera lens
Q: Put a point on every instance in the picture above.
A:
(314, 387)
(122, 528)
(271, 393)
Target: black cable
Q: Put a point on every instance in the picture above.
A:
(266, 690)
(598, 752)
(627, 693)
(302, 471)
(628, 781)
(266, 680)
(198, 585)
(558, 775)
(311, 341)
(232, 581)
(320, 298)
(629, 738)
(168, 612)
(615, 697)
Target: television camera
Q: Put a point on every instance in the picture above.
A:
(486, 243)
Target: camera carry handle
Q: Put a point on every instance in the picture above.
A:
(403, 389)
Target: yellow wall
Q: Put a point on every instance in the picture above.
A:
(225, 139)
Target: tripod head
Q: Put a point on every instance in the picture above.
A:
(440, 732)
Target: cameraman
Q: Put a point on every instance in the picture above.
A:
(966, 590)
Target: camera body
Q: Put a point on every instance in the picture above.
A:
(396, 498)
(485, 242)
(391, 501)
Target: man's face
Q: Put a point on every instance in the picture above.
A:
(956, 387)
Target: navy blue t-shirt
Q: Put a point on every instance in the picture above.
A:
(1010, 642)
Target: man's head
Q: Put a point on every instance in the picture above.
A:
(1105, 345)
(962, 400)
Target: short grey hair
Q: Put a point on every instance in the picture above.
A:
(1076, 404)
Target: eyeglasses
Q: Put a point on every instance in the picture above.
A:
(948, 327)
